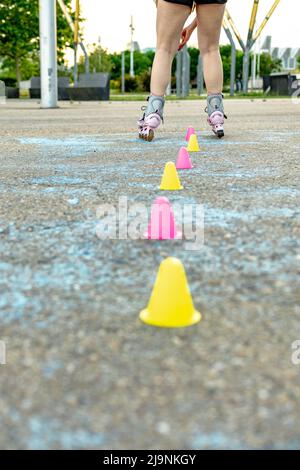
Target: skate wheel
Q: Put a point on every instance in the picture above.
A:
(149, 136)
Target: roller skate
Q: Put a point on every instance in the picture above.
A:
(152, 117)
(215, 110)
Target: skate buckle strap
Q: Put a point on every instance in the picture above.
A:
(216, 118)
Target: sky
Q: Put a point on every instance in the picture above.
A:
(109, 20)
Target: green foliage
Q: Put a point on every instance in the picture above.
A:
(131, 83)
(100, 60)
(115, 85)
(298, 61)
(65, 36)
(144, 81)
(19, 30)
(194, 55)
(225, 52)
(19, 36)
(269, 65)
(142, 62)
(28, 66)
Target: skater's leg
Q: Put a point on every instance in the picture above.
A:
(169, 23)
(210, 19)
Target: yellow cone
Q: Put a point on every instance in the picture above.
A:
(170, 180)
(170, 304)
(193, 145)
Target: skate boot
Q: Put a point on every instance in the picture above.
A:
(215, 110)
(152, 117)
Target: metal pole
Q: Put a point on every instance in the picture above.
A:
(131, 49)
(185, 72)
(232, 68)
(100, 58)
(71, 24)
(265, 21)
(234, 29)
(48, 59)
(258, 58)
(246, 60)
(252, 37)
(252, 21)
(254, 70)
(233, 57)
(179, 73)
(200, 81)
(86, 58)
(76, 35)
(123, 72)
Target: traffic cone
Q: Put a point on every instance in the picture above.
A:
(170, 180)
(183, 160)
(170, 304)
(189, 132)
(162, 221)
(193, 145)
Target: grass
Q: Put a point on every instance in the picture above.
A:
(116, 96)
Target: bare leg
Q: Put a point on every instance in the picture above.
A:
(169, 23)
(210, 19)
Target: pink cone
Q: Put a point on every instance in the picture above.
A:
(183, 160)
(162, 222)
(189, 132)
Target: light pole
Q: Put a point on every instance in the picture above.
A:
(76, 38)
(131, 48)
(48, 58)
(123, 73)
(99, 46)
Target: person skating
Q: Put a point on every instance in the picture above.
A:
(171, 36)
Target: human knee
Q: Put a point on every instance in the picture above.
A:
(206, 49)
(166, 49)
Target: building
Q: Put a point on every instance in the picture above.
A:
(287, 55)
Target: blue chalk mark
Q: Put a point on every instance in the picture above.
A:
(74, 145)
(224, 217)
(48, 434)
(57, 180)
(73, 201)
(51, 367)
(218, 441)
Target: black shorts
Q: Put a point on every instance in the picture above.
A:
(189, 3)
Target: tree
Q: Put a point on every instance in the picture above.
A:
(269, 65)
(144, 81)
(100, 60)
(225, 52)
(19, 34)
(194, 55)
(19, 30)
(142, 63)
